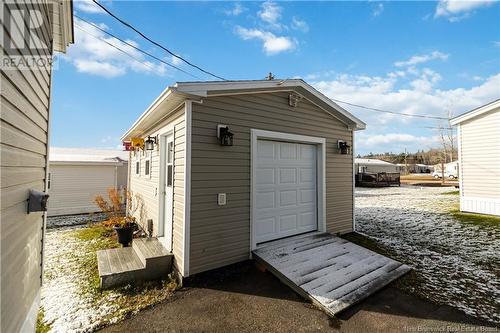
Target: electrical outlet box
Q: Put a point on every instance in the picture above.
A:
(221, 199)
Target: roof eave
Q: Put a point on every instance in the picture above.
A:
(475, 112)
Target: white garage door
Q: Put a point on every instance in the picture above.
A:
(285, 190)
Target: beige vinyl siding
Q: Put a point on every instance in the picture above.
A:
(480, 156)
(148, 187)
(73, 188)
(220, 235)
(25, 98)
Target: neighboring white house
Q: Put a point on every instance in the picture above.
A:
(370, 165)
(77, 175)
(479, 158)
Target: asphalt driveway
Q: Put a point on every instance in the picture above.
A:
(242, 298)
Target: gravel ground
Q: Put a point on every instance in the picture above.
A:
(72, 220)
(457, 263)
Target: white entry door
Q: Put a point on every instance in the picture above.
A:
(285, 189)
(168, 192)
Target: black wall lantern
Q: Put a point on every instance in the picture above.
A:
(343, 147)
(225, 137)
(150, 143)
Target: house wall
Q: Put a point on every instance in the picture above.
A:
(480, 163)
(25, 99)
(73, 188)
(220, 235)
(148, 187)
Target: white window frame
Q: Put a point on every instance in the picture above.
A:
(138, 163)
(150, 160)
(320, 143)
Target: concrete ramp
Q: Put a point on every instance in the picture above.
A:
(330, 271)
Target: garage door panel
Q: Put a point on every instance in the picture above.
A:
(287, 175)
(286, 189)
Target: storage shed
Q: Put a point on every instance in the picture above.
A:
(77, 175)
(479, 159)
(228, 166)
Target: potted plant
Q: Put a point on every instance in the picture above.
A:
(125, 230)
(123, 224)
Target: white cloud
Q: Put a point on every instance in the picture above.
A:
(271, 43)
(394, 139)
(496, 43)
(105, 69)
(413, 92)
(419, 59)
(378, 9)
(270, 13)
(236, 10)
(298, 24)
(88, 6)
(95, 56)
(176, 61)
(456, 10)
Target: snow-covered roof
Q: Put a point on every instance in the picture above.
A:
(371, 161)
(58, 155)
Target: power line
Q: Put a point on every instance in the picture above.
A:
(155, 43)
(116, 47)
(136, 48)
(391, 112)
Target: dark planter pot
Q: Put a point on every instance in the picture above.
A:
(125, 234)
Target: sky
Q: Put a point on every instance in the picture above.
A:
(432, 58)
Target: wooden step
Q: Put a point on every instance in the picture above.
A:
(149, 250)
(147, 259)
(119, 266)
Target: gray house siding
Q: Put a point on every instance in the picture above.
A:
(220, 235)
(25, 98)
(149, 187)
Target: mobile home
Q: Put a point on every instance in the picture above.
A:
(32, 32)
(479, 159)
(77, 175)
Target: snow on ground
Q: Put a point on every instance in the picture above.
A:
(67, 306)
(71, 220)
(70, 298)
(457, 262)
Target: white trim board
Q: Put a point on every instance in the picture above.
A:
(257, 134)
(490, 206)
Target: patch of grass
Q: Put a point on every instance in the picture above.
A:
(451, 193)
(41, 325)
(477, 219)
(95, 237)
(129, 299)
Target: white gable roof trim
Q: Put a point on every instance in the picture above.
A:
(182, 91)
(476, 112)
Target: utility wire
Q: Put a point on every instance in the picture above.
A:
(392, 112)
(136, 48)
(156, 43)
(116, 47)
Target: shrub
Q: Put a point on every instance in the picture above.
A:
(114, 206)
